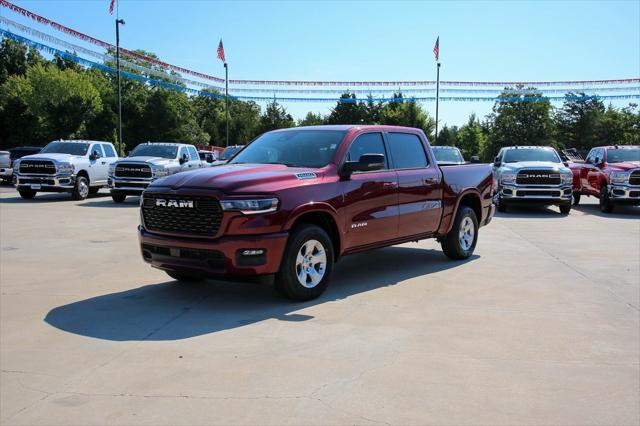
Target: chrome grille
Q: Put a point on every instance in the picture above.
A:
(37, 167)
(538, 177)
(634, 178)
(203, 219)
(133, 171)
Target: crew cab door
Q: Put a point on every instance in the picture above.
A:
(419, 184)
(98, 167)
(590, 173)
(371, 198)
(194, 158)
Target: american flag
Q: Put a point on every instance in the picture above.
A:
(436, 49)
(221, 52)
(112, 5)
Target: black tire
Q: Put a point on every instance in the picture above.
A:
(451, 244)
(81, 190)
(183, 277)
(286, 280)
(565, 208)
(576, 198)
(502, 207)
(27, 194)
(606, 206)
(118, 198)
(94, 190)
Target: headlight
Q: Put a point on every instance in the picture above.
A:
(566, 178)
(160, 171)
(619, 177)
(112, 169)
(262, 205)
(16, 166)
(508, 178)
(65, 168)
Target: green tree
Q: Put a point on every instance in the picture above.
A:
(578, 120)
(410, 114)
(348, 110)
(521, 117)
(471, 140)
(448, 136)
(16, 58)
(168, 116)
(17, 123)
(275, 117)
(373, 111)
(312, 119)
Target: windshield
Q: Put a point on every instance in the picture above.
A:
(622, 155)
(295, 148)
(150, 150)
(229, 152)
(531, 154)
(19, 153)
(447, 155)
(73, 148)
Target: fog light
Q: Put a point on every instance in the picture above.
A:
(251, 257)
(252, 252)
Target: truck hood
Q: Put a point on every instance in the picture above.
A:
(623, 167)
(514, 167)
(245, 178)
(158, 161)
(55, 157)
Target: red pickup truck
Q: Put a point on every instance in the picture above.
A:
(610, 173)
(294, 201)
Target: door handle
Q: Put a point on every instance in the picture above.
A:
(390, 185)
(431, 181)
(104, 162)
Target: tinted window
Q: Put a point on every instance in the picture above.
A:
(448, 155)
(73, 148)
(369, 143)
(407, 151)
(183, 152)
(623, 154)
(300, 148)
(193, 154)
(21, 152)
(98, 148)
(531, 154)
(229, 152)
(151, 150)
(108, 150)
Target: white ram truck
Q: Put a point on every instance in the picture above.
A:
(76, 166)
(148, 162)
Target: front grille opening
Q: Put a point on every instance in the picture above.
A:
(38, 167)
(538, 177)
(133, 171)
(634, 178)
(203, 219)
(538, 193)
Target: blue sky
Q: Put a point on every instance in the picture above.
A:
(490, 41)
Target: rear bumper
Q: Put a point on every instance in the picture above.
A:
(226, 256)
(535, 194)
(45, 183)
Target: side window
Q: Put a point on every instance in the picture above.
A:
(193, 154)
(591, 156)
(108, 150)
(183, 152)
(368, 143)
(97, 147)
(407, 151)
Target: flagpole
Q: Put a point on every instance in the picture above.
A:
(226, 98)
(118, 22)
(437, 101)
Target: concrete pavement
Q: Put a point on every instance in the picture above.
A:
(541, 326)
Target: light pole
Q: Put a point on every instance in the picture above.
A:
(118, 22)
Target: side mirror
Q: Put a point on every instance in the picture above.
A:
(597, 161)
(183, 159)
(366, 163)
(209, 159)
(94, 156)
(497, 162)
(475, 159)
(566, 163)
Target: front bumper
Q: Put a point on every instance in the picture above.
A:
(45, 183)
(129, 186)
(215, 258)
(543, 194)
(624, 194)
(6, 173)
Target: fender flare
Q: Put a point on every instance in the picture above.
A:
(314, 207)
(459, 198)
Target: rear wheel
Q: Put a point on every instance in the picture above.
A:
(81, 190)
(189, 278)
(27, 194)
(606, 206)
(576, 198)
(502, 207)
(307, 264)
(118, 198)
(461, 240)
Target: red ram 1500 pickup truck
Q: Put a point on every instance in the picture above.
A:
(610, 173)
(294, 201)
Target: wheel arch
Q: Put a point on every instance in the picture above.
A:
(321, 215)
(470, 198)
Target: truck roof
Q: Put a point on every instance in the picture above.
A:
(444, 147)
(346, 127)
(527, 147)
(77, 141)
(618, 147)
(167, 143)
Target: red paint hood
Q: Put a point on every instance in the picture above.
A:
(627, 165)
(242, 178)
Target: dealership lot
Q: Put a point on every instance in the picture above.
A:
(541, 326)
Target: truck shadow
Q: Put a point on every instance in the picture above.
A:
(52, 197)
(531, 212)
(109, 203)
(174, 311)
(619, 212)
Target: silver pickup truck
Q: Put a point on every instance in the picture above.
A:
(148, 162)
(533, 175)
(76, 166)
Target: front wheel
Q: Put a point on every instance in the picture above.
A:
(606, 206)
(502, 207)
(461, 240)
(565, 208)
(118, 198)
(576, 198)
(81, 190)
(307, 264)
(27, 194)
